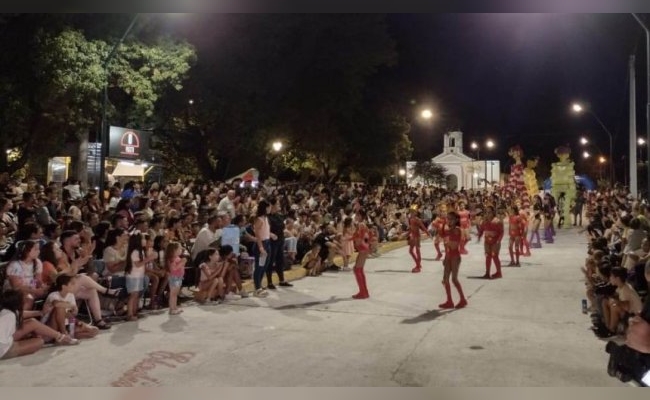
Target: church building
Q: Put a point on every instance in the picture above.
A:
(462, 170)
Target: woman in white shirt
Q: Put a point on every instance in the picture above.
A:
(20, 333)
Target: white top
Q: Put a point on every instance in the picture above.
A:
(27, 272)
(136, 272)
(627, 293)
(7, 330)
(226, 205)
(56, 296)
(112, 255)
(203, 240)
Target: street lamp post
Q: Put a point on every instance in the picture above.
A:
(490, 145)
(577, 108)
(476, 149)
(647, 109)
(103, 133)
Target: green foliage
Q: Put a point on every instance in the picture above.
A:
(430, 173)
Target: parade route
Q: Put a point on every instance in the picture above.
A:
(526, 329)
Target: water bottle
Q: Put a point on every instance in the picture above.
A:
(584, 306)
(72, 322)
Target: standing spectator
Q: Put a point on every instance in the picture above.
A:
(262, 249)
(276, 226)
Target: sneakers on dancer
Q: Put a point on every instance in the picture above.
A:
(496, 275)
(416, 270)
(461, 304)
(260, 293)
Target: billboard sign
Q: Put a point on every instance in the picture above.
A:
(128, 143)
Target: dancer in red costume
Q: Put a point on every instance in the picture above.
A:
(415, 226)
(525, 245)
(452, 236)
(362, 245)
(465, 224)
(516, 231)
(438, 225)
(492, 228)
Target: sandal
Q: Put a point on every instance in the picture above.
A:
(102, 324)
(65, 340)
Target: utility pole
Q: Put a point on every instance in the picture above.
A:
(647, 109)
(633, 138)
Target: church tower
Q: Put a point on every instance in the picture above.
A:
(453, 143)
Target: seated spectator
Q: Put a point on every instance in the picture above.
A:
(24, 273)
(20, 333)
(312, 261)
(157, 276)
(55, 263)
(626, 303)
(211, 281)
(61, 305)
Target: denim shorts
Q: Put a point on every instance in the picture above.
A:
(175, 281)
(134, 284)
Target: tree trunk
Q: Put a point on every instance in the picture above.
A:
(82, 160)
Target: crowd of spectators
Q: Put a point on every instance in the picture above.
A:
(68, 253)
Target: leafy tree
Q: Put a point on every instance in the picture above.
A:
(430, 173)
(58, 96)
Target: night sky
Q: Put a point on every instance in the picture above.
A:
(513, 77)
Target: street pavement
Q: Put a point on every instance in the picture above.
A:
(526, 329)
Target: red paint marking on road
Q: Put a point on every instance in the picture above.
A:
(140, 371)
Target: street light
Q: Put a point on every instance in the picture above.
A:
(578, 108)
(277, 146)
(647, 81)
(402, 172)
(103, 133)
(427, 114)
(585, 154)
(490, 145)
(584, 141)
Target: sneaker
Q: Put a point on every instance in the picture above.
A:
(243, 294)
(232, 296)
(261, 293)
(271, 286)
(287, 284)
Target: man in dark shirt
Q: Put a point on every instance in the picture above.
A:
(26, 211)
(276, 224)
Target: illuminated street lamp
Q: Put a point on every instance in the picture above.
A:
(489, 144)
(579, 108)
(641, 141)
(585, 154)
(584, 141)
(402, 172)
(602, 160)
(427, 114)
(277, 146)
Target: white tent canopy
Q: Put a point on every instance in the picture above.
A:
(129, 169)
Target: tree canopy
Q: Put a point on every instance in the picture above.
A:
(215, 105)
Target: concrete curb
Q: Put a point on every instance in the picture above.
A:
(297, 272)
